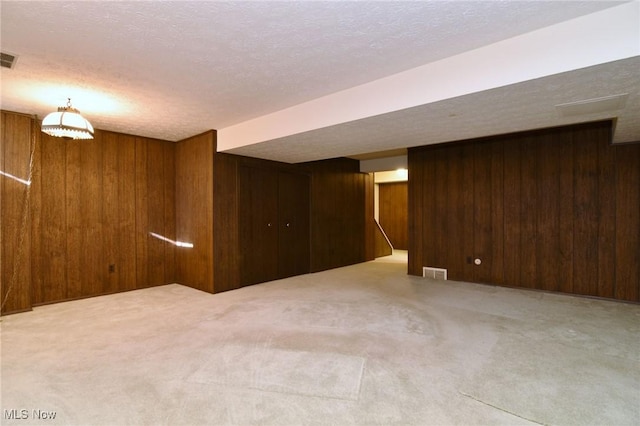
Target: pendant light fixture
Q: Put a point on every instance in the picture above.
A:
(67, 123)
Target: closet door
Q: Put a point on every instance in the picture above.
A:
(258, 224)
(293, 231)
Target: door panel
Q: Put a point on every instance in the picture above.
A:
(258, 223)
(293, 229)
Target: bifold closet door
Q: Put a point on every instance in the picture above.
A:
(258, 224)
(293, 230)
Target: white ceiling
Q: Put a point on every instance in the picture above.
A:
(171, 70)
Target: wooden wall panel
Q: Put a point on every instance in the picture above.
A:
(393, 213)
(456, 208)
(17, 140)
(488, 231)
(225, 222)
(194, 211)
(565, 259)
(142, 208)
(36, 216)
(555, 210)
(125, 227)
(443, 220)
(512, 212)
(119, 211)
(585, 224)
(429, 216)
(72, 197)
(468, 222)
(92, 267)
(337, 213)
(606, 214)
(548, 253)
(111, 209)
(416, 209)
(528, 209)
(169, 186)
(497, 213)
(91, 207)
(160, 166)
(627, 246)
(54, 222)
(371, 227)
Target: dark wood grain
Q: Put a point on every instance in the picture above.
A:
(127, 261)
(585, 223)
(528, 207)
(393, 209)
(371, 227)
(548, 253)
(92, 268)
(54, 221)
(194, 211)
(293, 224)
(512, 212)
(258, 224)
(627, 267)
(73, 196)
(16, 143)
(337, 213)
(225, 221)
(415, 217)
(606, 213)
(456, 209)
(483, 204)
(565, 259)
(111, 209)
(554, 209)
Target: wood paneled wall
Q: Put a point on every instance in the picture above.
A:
(94, 205)
(393, 211)
(99, 201)
(194, 210)
(225, 222)
(18, 138)
(557, 210)
(342, 224)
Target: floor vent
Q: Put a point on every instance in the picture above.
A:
(7, 60)
(435, 273)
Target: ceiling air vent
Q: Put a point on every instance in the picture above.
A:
(8, 60)
(595, 105)
(434, 273)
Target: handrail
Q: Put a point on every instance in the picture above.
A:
(383, 245)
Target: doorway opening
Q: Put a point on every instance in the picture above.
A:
(391, 213)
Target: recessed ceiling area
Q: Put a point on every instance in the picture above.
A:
(300, 81)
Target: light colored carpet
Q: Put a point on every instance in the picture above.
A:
(365, 344)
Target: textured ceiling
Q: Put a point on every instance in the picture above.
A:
(171, 70)
(525, 106)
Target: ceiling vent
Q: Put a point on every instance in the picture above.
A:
(595, 105)
(8, 60)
